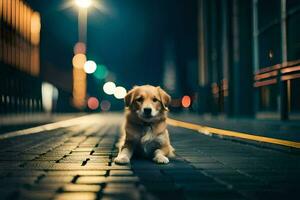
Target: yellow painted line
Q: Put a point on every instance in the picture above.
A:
(208, 131)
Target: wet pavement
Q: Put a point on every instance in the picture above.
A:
(75, 161)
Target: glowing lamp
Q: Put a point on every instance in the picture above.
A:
(120, 92)
(109, 88)
(93, 103)
(186, 101)
(90, 67)
(83, 3)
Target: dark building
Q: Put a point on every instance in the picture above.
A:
(25, 67)
(20, 87)
(249, 58)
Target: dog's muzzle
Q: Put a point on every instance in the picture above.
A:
(147, 112)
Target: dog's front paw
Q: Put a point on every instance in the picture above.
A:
(161, 159)
(122, 160)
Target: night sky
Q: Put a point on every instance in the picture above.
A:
(128, 37)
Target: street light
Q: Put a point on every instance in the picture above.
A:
(79, 60)
(81, 67)
(83, 3)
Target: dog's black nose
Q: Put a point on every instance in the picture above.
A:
(147, 111)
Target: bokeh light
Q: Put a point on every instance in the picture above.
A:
(186, 101)
(79, 60)
(120, 92)
(79, 48)
(101, 72)
(105, 105)
(109, 88)
(93, 103)
(90, 67)
(83, 3)
(49, 96)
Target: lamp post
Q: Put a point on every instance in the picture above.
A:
(79, 59)
(83, 6)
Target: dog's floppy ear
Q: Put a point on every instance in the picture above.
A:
(164, 97)
(129, 96)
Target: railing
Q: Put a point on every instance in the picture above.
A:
(271, 75)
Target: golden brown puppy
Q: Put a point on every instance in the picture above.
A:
(145, 129)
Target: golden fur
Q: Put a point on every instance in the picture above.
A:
(145, 132)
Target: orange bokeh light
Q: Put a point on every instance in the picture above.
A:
(186, 101)
(79, 60)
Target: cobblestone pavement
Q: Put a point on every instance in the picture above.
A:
(75, 162)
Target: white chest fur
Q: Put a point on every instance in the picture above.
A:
(148, 135)
(150, 142)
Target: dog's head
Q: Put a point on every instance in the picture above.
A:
(148, 102)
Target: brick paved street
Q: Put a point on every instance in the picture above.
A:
(75, 162)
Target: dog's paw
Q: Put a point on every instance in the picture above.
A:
(122, 160)
(161, 159)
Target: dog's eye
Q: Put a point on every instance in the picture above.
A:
(155, 100)
(140, 99)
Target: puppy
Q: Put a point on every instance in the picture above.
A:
(145, 128)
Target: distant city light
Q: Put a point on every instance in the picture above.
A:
(186, 101)
(90, 67)
(79, 60)
(49, 96)
(93, 103)
(105, 105)
(83, 3)
(101, 72)
(109, 88)
(79, 48)
(120, 92)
